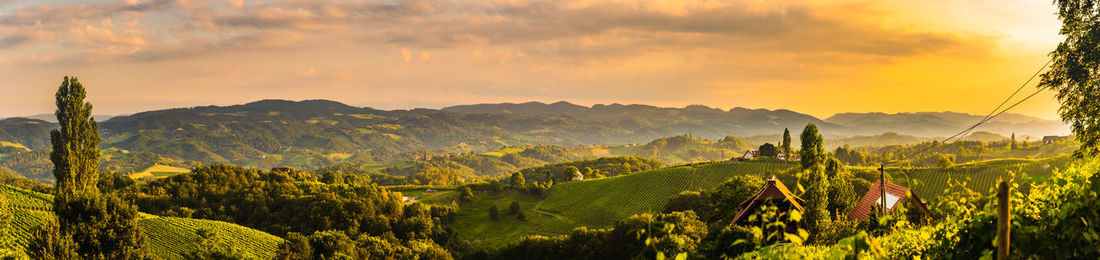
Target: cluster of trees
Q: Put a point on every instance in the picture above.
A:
(284, 201)
(687, 148)
(643, 235)
(589, 169)
(448, 169)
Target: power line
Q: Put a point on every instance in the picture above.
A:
(991, 115)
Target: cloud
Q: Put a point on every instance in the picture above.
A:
(405, 55)
(549, 31)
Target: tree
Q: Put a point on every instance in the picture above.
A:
(295, 247)
(689, 200)
(493, 214)
(102, 227)
(817, 198)
(813, 147)
(75, 152)
(768, 150)
(945, 160)
(1073, 71)
(728, 196)
(99, 226)
(47, 242)
(514, 208)
(786, 145)
(467, 195)
(517, 180)
(842, 195)
(1012, 142)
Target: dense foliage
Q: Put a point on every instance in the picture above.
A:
(1073, 71)
(590, 169)
(642, 235)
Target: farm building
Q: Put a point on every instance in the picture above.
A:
(895, 195)
(1050, 139)
(773, 192)
(750, 154)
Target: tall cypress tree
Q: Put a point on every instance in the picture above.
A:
(75, 152)
(89, 225)
(787, 144)
(813, 147)
(817, 183)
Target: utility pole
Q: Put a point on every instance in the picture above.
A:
(882, 186)
(1004, 221)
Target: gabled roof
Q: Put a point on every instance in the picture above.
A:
(873, 198)
(773, 189)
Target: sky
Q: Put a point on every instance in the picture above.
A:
(814, 57)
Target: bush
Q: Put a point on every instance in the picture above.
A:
(731, 241)
(513, 208)
(836, 231)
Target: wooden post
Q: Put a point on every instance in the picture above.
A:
(1004, 221)
(882, 187)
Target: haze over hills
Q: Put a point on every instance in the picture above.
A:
(317, 133)
(354, 128)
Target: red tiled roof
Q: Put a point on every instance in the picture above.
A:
(874, 197)
(773, 189)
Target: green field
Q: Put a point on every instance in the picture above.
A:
(169, 237)
(602, 202)
(599, 203)
(594, 203)
(158, 171)
(932, 182)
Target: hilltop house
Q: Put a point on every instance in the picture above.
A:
(1050, 139)
(750, 154)
(895, 195)
(773, 192)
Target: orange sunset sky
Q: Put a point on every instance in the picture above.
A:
(815, 57)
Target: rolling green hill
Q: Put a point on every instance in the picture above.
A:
(599, 203)
(594, 203)
(169, 237)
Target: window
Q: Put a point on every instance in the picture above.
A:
(891, 199)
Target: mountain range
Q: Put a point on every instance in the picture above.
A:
(315, 133)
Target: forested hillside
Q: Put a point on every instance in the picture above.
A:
(317, 133)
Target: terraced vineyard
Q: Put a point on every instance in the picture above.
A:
(594, 203)
(169, 237)
(601, 202)
(982, 177)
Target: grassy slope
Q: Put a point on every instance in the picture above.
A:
(593, 203)
(168, 236)
(158, 171)
(982, 177)
(600, 203)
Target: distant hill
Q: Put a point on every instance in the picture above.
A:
(943, 124)
(31, 133)
(318, 133)
(53, 118)
(985, 137)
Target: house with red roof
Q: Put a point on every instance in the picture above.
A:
(896, 195)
